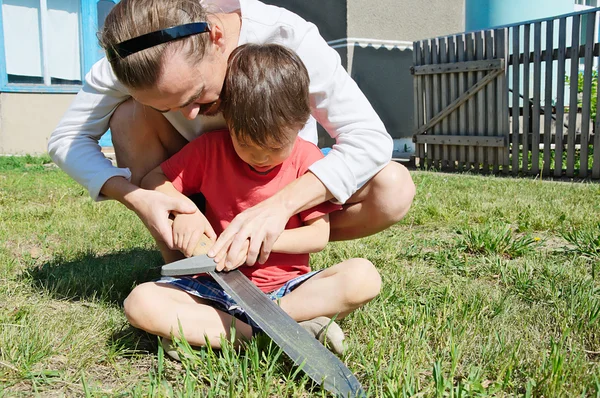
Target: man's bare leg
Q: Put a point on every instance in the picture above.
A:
(379, 204)
(143, 138)
(168, 255)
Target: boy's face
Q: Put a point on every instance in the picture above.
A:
(263, 159)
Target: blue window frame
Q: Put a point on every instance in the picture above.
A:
(47, 46)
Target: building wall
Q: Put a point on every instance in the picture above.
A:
(382, 72)
(484, 14)
(27, 120)
(330, 16)
(406, 20)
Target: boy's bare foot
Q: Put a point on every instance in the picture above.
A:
(322, 328)
(327, 332)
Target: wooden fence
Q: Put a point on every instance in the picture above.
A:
(514, 99)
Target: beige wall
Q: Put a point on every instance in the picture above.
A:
(405, 20)
(27, 120)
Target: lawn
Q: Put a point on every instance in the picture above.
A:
(490, 287)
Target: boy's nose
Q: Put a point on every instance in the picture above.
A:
(260, 158)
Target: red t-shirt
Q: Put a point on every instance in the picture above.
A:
(210, 165)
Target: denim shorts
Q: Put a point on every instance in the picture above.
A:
(206, 288)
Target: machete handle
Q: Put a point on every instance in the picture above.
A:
(203, 245)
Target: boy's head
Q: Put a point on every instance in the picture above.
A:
(265, 102)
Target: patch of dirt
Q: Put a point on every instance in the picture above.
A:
(554, 243)
(18, 389)
(106, 378)
(32, 248)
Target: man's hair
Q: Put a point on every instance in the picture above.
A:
(133, 18)
(265, 93)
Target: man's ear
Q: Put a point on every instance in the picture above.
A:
(217, 36)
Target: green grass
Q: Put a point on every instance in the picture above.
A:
(490, 288)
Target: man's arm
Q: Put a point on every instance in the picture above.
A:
(309, 238)
(73, 145)
(264, 222)
(363, 145)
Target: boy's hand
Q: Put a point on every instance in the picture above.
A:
(187, 230)
(154, 209)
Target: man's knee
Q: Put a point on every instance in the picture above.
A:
(121, 121)
(142, 138)
(122, 114)
(394, 191)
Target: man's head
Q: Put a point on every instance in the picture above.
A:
(265, 102)
(184, 74)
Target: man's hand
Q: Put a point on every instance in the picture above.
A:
(154, 209)
(187, 230)
(240, 259)
(258, 227)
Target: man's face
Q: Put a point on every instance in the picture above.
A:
(192, 89)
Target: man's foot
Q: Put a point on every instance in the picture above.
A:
(327, 332)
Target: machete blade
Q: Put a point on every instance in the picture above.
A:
(189, 266)
(316, 361)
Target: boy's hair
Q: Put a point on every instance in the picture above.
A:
(265, 94)
(133, 18)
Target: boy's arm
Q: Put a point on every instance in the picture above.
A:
(310, 238)
(158, 181)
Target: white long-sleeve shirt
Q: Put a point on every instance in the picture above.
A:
(363, 147)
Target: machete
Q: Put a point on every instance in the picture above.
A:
(304, 350)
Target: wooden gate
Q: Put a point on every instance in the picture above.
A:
(520, 99)
(461, 112)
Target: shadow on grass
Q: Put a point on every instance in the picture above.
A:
(108, 278)
(129, 342)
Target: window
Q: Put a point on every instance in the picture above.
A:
(48, 45)
(589, 3)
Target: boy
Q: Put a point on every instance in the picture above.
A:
(265, 102)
